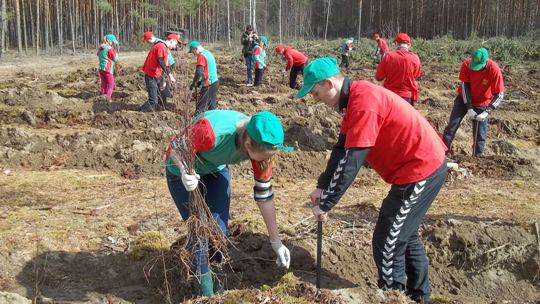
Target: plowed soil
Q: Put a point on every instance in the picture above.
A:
(82, 182)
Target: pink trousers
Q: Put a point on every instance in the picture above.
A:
(107, 83)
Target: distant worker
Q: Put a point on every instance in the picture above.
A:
(344, 50)
(155, 66)
(247, 40)
(399, 69)
(206, 78)
(381, 49)
(259, 56)
(107, 59)
(481, 91)
(296, 61)
(165, 83)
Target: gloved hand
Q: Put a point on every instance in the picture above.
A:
(171, 77)
(471, 113)
(190, 181)
(283, 253)
(482, 116)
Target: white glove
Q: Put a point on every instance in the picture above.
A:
(471, 113)
(284, 255)
(171, 77)
(190, 181)
(482, 116)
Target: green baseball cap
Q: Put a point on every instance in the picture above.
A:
(264, 40)
(479, 59)
(316, 71)
(111, 38)
(193, 44)
(265, 129)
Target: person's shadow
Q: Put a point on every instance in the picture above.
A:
(87, 276)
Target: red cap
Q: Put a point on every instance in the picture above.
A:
(376, 36)
(280, 49)
(402, 38)
(147, 35)
(173, 36)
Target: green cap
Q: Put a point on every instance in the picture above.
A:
(479, 59)
(111, 38)
(317, 70)
(265, 129)
(194, 44)
(264, 40)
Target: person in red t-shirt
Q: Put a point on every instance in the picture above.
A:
(381, 49)
(399, 69)
(481, 91)
(154, 66)
(296, 61)
(403, 148)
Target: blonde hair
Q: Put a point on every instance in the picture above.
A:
(243, 135)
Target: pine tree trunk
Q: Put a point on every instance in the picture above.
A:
(72, 26)
(18, 26)
(327, 17)
(359, 18)
(46, 24)
(3, 21)
(279, 21)
(229, 24)
(59, 26)
(24, 28)
(254, 15)
(37, 34)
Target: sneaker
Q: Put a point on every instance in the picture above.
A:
(250, 84)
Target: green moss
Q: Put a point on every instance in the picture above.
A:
(147, 243)
(240, 296)
(286, 285)
(439, 298)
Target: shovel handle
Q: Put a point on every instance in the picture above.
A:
(319, 253)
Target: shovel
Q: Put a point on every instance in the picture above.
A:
(319, 253)
(476, 125)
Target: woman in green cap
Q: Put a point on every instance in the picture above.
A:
(219, 138)
(259, 57)
(107, 58)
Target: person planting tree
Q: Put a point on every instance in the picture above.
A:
(216, 139)
(107, 60)
(296, 61)
(206, 78)
(481, 91)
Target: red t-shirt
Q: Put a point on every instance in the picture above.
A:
(399, 69)
(294, 57)
(484, 83)
(404, 147)
(151, 65)
(383, 46)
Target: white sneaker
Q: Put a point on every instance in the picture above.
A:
(249, 84)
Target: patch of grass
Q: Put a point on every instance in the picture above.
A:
(148, 242)
(439, 298)
(240, 296)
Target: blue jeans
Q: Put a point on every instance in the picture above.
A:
(216, 189)
(248, 59)
(152, 84)
(479, 127)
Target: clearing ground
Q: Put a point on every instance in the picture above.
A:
(85, 211)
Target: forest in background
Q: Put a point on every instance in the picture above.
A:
(61, 25)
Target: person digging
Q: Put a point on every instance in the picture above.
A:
(205, 77)
(155, 67)
(296, 61)
(219, 138)
(403, 148)
(107, 59)
(481, 91)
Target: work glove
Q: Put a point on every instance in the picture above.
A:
(171, 78)
(190, 181)
(471, 113)
(283, 253)
(482, 116)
